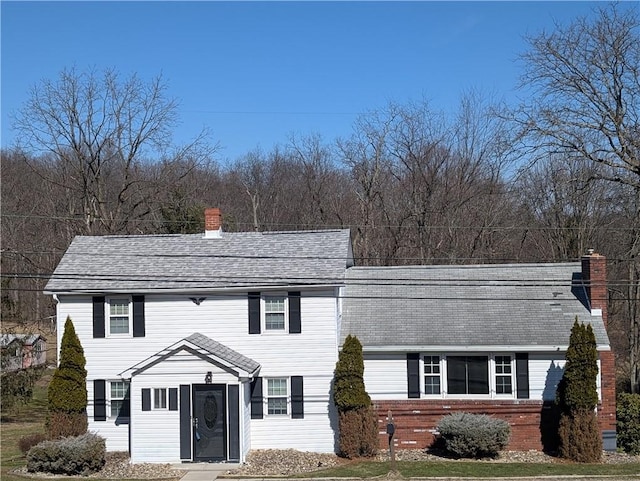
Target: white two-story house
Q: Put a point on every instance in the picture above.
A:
(201, 347)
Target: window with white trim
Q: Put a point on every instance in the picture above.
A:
(119, 315)
(432, 375)
(504, 375)
(275, 313)
(472, 375)
(119, 399)
(277, 392)
(160, 398)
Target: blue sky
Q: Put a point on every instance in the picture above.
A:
(256, 72)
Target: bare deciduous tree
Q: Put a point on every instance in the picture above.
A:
(584, 86)
(100, 131)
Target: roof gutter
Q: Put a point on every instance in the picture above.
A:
(194, 291)
(473, 348)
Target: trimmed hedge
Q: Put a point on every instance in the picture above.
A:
(467, 435)
(628, 416)
(69, 456)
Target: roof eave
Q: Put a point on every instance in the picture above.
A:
(474, 348)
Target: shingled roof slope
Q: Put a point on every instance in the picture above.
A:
(477, 305)
(192, 262)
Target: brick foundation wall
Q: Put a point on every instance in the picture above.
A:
(416, 419)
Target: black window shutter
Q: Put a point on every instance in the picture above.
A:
(522, 375)
(138, 316)
(173, 399)
(99, 400)
(256, 398)
(297, 397)
(146, 399)
(254, 313)
(98, 316)
(413, 374)
(295, 324)
(185, 421)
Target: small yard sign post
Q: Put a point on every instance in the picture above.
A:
(391, 429)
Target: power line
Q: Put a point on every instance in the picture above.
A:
(324, 226)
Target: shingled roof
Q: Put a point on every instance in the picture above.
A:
(206, 348)
(192, 262)
(476, 306)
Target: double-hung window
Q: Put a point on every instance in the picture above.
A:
(277, 392)
(119, 399)
(119, 311)
(431, 374)
(275, 313)
(503, 375)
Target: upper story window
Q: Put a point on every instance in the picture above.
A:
(275, 313)
(119, 311)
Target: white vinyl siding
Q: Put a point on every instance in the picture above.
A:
(224, 318)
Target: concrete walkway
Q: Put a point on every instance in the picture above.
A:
(204, 471)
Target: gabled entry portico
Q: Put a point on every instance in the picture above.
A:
(189, 402)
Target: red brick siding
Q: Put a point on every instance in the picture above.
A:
(416, 419)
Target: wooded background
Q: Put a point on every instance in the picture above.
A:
(539, 182)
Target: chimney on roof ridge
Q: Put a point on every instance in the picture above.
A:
(594, 279)
(212, 223)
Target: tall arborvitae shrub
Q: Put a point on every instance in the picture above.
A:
(67, 394)
(577, 398)
(358, 423)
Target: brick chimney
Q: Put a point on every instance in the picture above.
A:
(212, 223)
(594, 278)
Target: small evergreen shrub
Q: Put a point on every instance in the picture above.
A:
(359, 433)
(580, 436)
(358, 421)
(628, 424)
(25, 443)
(62, 424)
(81, 455)
(67, 393)
(577, 397)
(473, 435)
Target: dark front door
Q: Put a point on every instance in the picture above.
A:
(209, 422)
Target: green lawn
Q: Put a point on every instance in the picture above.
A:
(25, 420)
(424, 469)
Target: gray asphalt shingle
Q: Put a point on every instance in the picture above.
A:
(192, 262)
(477, 305)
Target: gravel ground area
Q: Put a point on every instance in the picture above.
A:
(272, 462)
